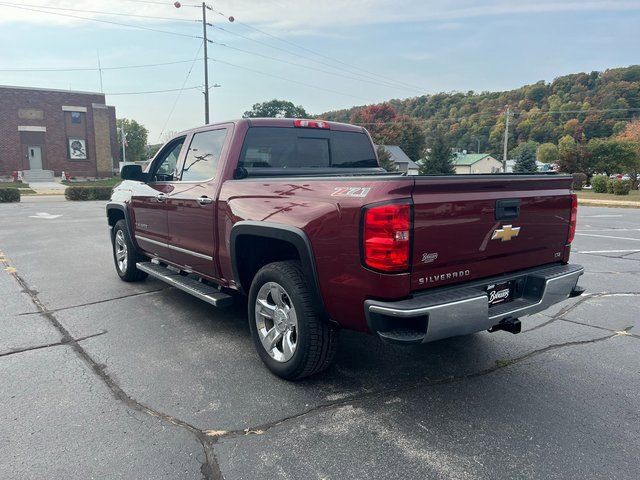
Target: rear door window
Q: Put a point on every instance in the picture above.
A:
(203, 155)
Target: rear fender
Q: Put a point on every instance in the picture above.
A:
(291, 235)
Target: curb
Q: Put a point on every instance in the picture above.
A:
(607, 203)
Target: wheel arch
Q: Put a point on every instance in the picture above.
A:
(289, 241)
(118, 211)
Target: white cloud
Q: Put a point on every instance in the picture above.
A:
(291, 16)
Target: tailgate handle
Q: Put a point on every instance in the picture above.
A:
(507, 209)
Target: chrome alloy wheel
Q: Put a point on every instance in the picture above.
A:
(276, 321)
(121, 251)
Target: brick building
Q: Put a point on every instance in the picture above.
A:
(57, 130)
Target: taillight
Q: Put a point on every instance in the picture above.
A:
(311, 124)
(387, 230)
(574, 218)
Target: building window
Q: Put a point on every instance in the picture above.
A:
(76, 117)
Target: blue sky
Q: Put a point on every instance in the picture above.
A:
(410, 47)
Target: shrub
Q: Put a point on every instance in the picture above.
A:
(8, 195)
(579, 181)
(621, 187)
(610, 184)
(599, 183)
(87, 193)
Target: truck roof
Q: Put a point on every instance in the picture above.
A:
(278, 122)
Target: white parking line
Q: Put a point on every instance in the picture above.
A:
(607, 251)
(608, 236)
(611, 230)
(600, 216)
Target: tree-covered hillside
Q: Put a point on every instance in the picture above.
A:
(582, 106)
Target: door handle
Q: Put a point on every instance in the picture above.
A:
(161, 197)
(205, 200)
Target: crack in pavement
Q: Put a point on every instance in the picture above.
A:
(13, 351)
(97, 302)
(585, 297)
(627, 329)
(264, 428)
(209, 468)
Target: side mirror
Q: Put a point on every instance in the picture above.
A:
(133, 172)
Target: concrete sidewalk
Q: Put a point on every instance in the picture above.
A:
(48, 188)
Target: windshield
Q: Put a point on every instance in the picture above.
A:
(281, 149)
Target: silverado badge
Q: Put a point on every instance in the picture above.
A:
(505, 233)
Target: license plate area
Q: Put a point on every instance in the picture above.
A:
(499, 293)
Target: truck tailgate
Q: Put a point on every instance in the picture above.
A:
(472, 227)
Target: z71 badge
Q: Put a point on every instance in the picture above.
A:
(356, 192)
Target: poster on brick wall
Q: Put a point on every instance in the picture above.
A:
(77, 149)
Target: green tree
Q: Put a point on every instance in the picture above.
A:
(276, 109)
(568, 159)
(548, 153)
(526, 159)
(611, 155)
(384, 159)
(136, 139)
(438, 158)
(153, 149)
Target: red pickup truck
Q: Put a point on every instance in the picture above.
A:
(298, 216)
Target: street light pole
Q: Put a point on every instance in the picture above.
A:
(206, 64)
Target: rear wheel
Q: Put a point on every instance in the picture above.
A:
(125, 256)
(291, 337)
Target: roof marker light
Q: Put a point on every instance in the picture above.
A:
(311, 124)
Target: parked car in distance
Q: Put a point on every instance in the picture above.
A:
(298, 216)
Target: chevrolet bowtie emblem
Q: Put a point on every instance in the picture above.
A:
(505, 233)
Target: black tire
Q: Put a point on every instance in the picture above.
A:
(316, 338)
(126, 270)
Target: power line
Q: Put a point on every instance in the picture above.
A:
(175, 102)
(382, 82)
(285, 79)
(595, 110)
(155, 2)
(173, 19)
(91, 69)
(352, 67)
(128, 25)
(155, 91)
(299, 64)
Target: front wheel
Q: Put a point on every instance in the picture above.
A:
(291, 337)
(125, 256)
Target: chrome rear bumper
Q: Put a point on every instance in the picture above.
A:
(461, 310)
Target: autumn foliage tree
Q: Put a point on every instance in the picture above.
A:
(388, 128)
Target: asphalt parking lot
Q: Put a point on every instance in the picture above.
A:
(104, 379)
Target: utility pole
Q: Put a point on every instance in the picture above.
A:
(100, 71)
(206, 64)
(506, 140)
(124, 141)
